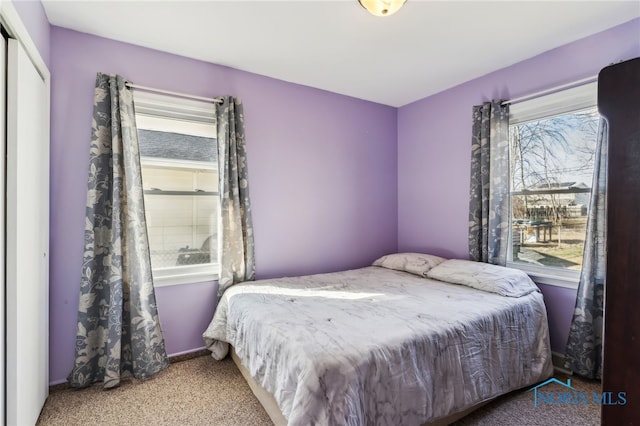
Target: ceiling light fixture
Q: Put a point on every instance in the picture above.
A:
(382, 7)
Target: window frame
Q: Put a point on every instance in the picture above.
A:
(559, 103)
(154, 112)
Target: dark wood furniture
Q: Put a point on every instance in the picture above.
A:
(619, 102)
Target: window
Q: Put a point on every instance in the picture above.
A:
(178, 154)
(552, 141)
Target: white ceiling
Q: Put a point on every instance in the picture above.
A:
(427, 47)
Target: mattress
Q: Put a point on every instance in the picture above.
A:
(375, 346)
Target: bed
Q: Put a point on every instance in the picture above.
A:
(411, 340)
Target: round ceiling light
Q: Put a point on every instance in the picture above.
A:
(382, 7)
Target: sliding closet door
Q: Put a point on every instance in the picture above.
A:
(3, 61)
(27, 238)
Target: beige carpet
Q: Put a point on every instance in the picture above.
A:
(202, 391)
(517, 408)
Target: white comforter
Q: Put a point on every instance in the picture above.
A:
(374, 346)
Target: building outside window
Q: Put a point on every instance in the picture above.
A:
(552, 143)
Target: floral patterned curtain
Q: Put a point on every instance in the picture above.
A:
(489, 202)
(584, 346)
(235, 228)
(118, 332)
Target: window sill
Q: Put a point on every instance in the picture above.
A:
(185, 275)
(549, 276)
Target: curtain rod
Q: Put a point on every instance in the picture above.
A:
(540, 93)
(167, 92)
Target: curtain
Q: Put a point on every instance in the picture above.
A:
(118, 332)
(584, 345)
(489, 202)
(235, 229)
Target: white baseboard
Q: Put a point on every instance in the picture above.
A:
(187, 352)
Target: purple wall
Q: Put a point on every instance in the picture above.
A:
(322, 169)
(35, 20)
(434, 139)
(560, 302)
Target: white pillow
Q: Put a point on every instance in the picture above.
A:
(483, 276)
(414, 263)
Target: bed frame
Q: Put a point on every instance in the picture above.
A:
(273, 411)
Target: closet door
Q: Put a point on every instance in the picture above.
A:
(27, 236)
(3, 143)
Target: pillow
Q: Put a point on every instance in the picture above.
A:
(483, 276)
(414, 263)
